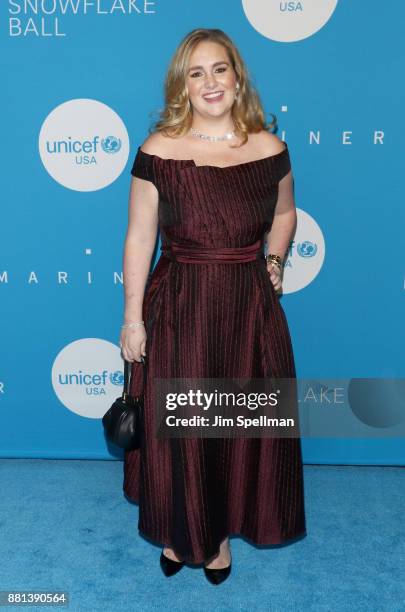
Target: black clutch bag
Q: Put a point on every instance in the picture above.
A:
(123, 422)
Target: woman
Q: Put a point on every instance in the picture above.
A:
(218, 185)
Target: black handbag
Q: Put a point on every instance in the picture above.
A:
(123, 422)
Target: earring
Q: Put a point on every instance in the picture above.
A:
(237, 90)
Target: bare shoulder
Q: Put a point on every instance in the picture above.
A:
(157, 144)
(268, 143)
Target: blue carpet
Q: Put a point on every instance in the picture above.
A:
(66, 525)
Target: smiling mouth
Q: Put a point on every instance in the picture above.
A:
(214, 96)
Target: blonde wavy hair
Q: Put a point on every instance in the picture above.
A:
(176, 117)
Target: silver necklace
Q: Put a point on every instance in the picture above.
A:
(226, 136)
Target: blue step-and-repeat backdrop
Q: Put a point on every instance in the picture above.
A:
(82, 82)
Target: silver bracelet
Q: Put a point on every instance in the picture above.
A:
(133, 324)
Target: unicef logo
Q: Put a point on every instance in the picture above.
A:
(306, 254)
(378, 402)
(307, 249)
(111, 144)
(85, 376)
(288, 21)
(72, 151)
(117, 378)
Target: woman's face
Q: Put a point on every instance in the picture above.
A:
(210, 80)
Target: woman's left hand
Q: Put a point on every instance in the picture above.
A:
(275, 276)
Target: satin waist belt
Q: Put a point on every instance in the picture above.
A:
(197, 254)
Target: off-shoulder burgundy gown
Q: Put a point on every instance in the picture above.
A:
(211, 311)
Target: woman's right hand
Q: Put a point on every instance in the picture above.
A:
(133, 343)
(275, 273)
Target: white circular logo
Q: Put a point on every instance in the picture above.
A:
(88, 375)
(306, 255)
(288, 21)
(84, 145)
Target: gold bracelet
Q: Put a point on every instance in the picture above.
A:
(274, 259)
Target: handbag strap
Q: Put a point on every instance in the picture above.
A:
(128, 373)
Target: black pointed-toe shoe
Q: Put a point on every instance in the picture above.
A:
(216, 576)
(170, 567)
